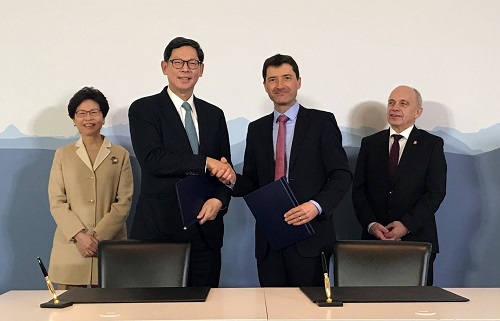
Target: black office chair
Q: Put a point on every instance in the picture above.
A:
(136, 264)
(380, 263)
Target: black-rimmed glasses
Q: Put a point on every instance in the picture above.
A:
(191, 63)
(92, 112)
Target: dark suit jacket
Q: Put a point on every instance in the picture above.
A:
(163, 151)
(318, 170)
(412, 196)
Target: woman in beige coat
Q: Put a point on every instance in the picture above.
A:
(90, 192)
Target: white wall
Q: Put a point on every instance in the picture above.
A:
(349, 52)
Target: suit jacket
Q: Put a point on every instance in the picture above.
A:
(318, 170)
(90, 197)
(412, 196)
(165, 156)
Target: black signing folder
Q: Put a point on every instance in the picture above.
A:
(268, 205)
(372, 294)
(136, 295)
(192, 193)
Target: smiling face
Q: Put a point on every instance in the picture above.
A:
(281, 84)
(89, 125)
(182, 81)
(403, 108)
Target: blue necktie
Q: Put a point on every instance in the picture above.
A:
(190, 129)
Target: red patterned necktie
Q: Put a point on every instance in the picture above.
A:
(280, 163)
(394, 154)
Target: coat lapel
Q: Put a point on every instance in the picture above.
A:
(168, 110)
(409, 153)
(266, 145)
(101, 156)
(82, 153)
(203, 119)
(103, 153)
(301, 125)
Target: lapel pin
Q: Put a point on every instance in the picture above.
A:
(415, 142)
(114, 160)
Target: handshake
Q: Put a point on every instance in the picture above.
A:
(222, 170)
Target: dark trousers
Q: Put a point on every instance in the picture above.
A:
(287, 268)
(430, 270)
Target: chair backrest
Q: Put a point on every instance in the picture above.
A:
(137, 264)
(380, 263)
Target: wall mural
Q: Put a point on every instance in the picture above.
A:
(468, 219)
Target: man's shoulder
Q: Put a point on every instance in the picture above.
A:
(423, 134)
(200, 103)
(377, 135)
(147, 101)
(316, 113)
(262, 121)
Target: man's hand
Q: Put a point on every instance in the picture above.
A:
(222, 170)
(301, 214)
(396, 230)
(209, 210)
(86, 244)
(379, 231)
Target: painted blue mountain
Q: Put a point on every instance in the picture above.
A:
(455, 141)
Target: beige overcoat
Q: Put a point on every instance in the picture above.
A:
(85, 197)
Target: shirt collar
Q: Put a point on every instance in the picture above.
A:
(177, 101)
(291, 113)
(405, 133)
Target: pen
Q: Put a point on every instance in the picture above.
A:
(46, 276)
(328, 289)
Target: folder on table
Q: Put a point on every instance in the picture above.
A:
(192, 193)
(372, 294)
(136, 295)
(268, 205)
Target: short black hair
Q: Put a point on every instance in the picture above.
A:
(278, 60)
(181, 42)
(84, 94)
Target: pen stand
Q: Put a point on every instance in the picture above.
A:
(329, 304)
(56, 304)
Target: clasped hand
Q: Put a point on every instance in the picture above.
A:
(86, 244)
(393, 231)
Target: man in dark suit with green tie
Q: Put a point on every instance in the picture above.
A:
(175, 134)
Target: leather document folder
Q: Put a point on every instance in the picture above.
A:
(373, 294)
(135, 295)
(192, 192)
(268, 204)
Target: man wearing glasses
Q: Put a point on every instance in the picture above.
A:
(175, 134)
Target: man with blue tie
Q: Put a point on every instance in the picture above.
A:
(175, 134)
(305, 145)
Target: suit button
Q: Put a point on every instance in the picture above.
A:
(91, 177)
(390, 192)
(91, 201)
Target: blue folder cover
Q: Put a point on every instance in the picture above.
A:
(192, 193)
(268, 205)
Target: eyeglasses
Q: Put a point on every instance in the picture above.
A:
(179, 63)
(92, 112)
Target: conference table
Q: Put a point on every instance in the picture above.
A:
(253, 304)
